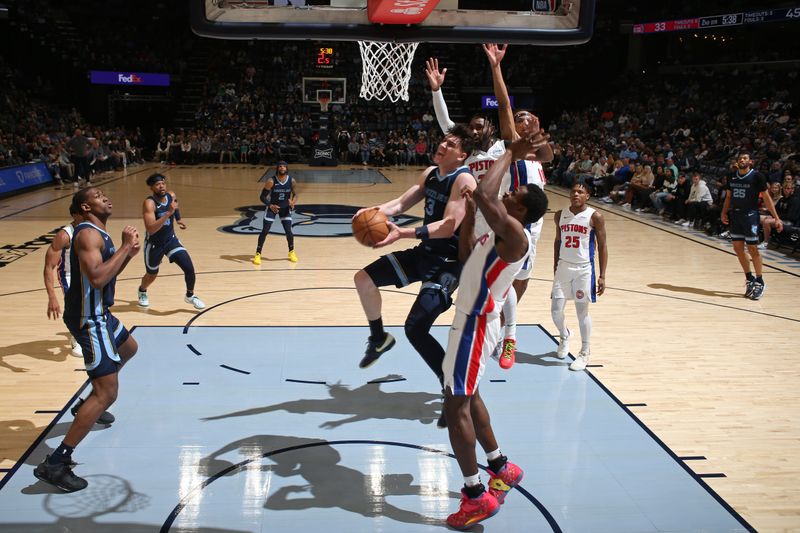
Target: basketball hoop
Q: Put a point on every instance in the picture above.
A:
(324, 97)
(386, 69)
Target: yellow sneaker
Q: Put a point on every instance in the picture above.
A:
(292, 256)
(257, 259)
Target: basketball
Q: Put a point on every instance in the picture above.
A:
(370, 227)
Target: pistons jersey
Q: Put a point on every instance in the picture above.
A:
(577, 236)
(479, 162)
(64, 267)
(486, 278)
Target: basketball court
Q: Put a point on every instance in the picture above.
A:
(252, 414)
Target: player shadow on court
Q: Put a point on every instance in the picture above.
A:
(366, 402)
(239, 258)
(523, 358)
(131, 306)
(105, 496)
(248, 259)
(46, 350)
(695, 290)
(327, 483)
(25, 432)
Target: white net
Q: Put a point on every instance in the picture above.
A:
(386, 70)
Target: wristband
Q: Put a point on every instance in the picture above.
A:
(421, 233)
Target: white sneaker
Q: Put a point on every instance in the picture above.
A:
(686, 224)
(144, 300)
(627, 207)
(580, 362)
(762, 246)
(195, 301)
(563, 346)
(680, 221)
(77, 351)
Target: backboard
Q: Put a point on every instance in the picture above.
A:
(541, 22)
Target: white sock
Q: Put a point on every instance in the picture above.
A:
(585, 323)
(510, 314)
(472, 481)
(490, 456)
(557, 312)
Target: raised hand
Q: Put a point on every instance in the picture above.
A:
(526, 147)
(495, 53)
(435, 76)
(130, 237)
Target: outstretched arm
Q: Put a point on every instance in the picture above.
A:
(513, 242)
(436, 79)
(495, 54)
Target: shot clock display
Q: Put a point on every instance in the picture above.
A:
(324, 57)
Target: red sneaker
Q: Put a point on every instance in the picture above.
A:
(509, 353)
(502, 482)
(473, 510)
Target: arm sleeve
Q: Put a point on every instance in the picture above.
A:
(264, 196)
(440, 108)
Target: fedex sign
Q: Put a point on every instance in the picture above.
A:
(490, 102)
(107, 77)
(132, 78)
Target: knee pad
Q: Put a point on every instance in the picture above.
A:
(445, 284)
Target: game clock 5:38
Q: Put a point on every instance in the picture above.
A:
(324, 57)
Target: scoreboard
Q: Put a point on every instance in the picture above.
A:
(785, 14)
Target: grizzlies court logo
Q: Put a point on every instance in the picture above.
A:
(308, 220)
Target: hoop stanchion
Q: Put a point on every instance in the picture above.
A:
(386, 70)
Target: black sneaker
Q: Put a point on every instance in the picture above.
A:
(758, 290)
(59, 476)
(375, 349)
(104, 418)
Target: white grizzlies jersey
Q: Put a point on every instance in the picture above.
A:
(577, 236)
(486, 278)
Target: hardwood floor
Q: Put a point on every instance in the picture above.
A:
(718, 373)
